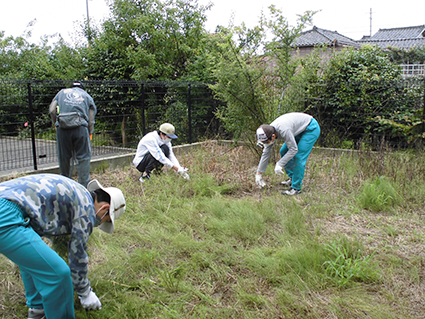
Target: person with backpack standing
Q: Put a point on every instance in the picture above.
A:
(73, 113)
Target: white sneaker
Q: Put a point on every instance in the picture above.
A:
(288, 182)
(291, 191)
(36, 313)
(144, 178)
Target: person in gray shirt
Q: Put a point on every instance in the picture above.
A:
(299, 131)
(73, 113)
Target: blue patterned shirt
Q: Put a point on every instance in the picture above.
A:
(57, 206)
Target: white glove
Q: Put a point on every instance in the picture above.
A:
(183, 172)
(259, 180)
(90, 301)
(278, 169)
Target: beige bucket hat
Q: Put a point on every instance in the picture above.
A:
(117, 205)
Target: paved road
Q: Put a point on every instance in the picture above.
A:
(17, 154)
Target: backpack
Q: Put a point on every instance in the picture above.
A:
(69, 120)
(67, 114)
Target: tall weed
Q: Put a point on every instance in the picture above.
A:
(379, 194)
(344, 267)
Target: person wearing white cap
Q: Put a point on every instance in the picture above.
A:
(155, 150)
(50, 205)
(299, 131)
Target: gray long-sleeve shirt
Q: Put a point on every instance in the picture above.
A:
(287, 126)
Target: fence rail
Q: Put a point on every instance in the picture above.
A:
(366, 113)
(127, 110)
(413, 70)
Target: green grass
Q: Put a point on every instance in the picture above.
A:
(216, 246)
(379, 194)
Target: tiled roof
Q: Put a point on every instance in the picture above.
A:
(400, 33)
(400, 43)
(403, 38)
(318, 36)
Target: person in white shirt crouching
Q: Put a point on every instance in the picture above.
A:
(155, 150)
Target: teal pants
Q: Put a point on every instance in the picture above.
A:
(46, 276)
(295, 168)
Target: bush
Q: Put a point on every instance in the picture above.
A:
(357, 90)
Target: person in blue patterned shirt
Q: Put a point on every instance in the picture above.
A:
(50, 205)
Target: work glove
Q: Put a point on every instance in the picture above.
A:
(183, 172)
(259, 180)
(278, 169)
(90, 301)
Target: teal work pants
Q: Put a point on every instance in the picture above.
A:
(46, 276)
(295, 168)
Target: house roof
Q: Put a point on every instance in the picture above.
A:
(318, 36)
(417, 32)
(401, 44)
(403, 38)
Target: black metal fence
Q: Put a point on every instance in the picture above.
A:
(374, 115)
(350, 116)
(127, 110)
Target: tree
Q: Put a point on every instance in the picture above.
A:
(148, 39)
(23, 60)
(357, 89)
(413, 55)
(251, 73)
(303, 83)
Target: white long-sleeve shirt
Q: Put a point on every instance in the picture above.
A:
(287, 126)
(151, 143)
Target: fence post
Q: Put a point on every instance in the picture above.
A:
(423, 107)
(34, 150)
(189, 112)
(143, 110)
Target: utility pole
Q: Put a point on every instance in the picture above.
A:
(370, 34)
(88, 23)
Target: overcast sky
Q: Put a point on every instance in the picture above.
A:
(352, 19)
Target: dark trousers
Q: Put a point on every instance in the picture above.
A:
(74, 144)
(149, 163)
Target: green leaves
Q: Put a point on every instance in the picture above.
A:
(149, 39)
(251, 72)
(344, 266)
(379, 194)
(20, 59)
(361, 95)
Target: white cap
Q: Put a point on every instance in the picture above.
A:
(168, 129)
(117, 204)
(261, 135)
